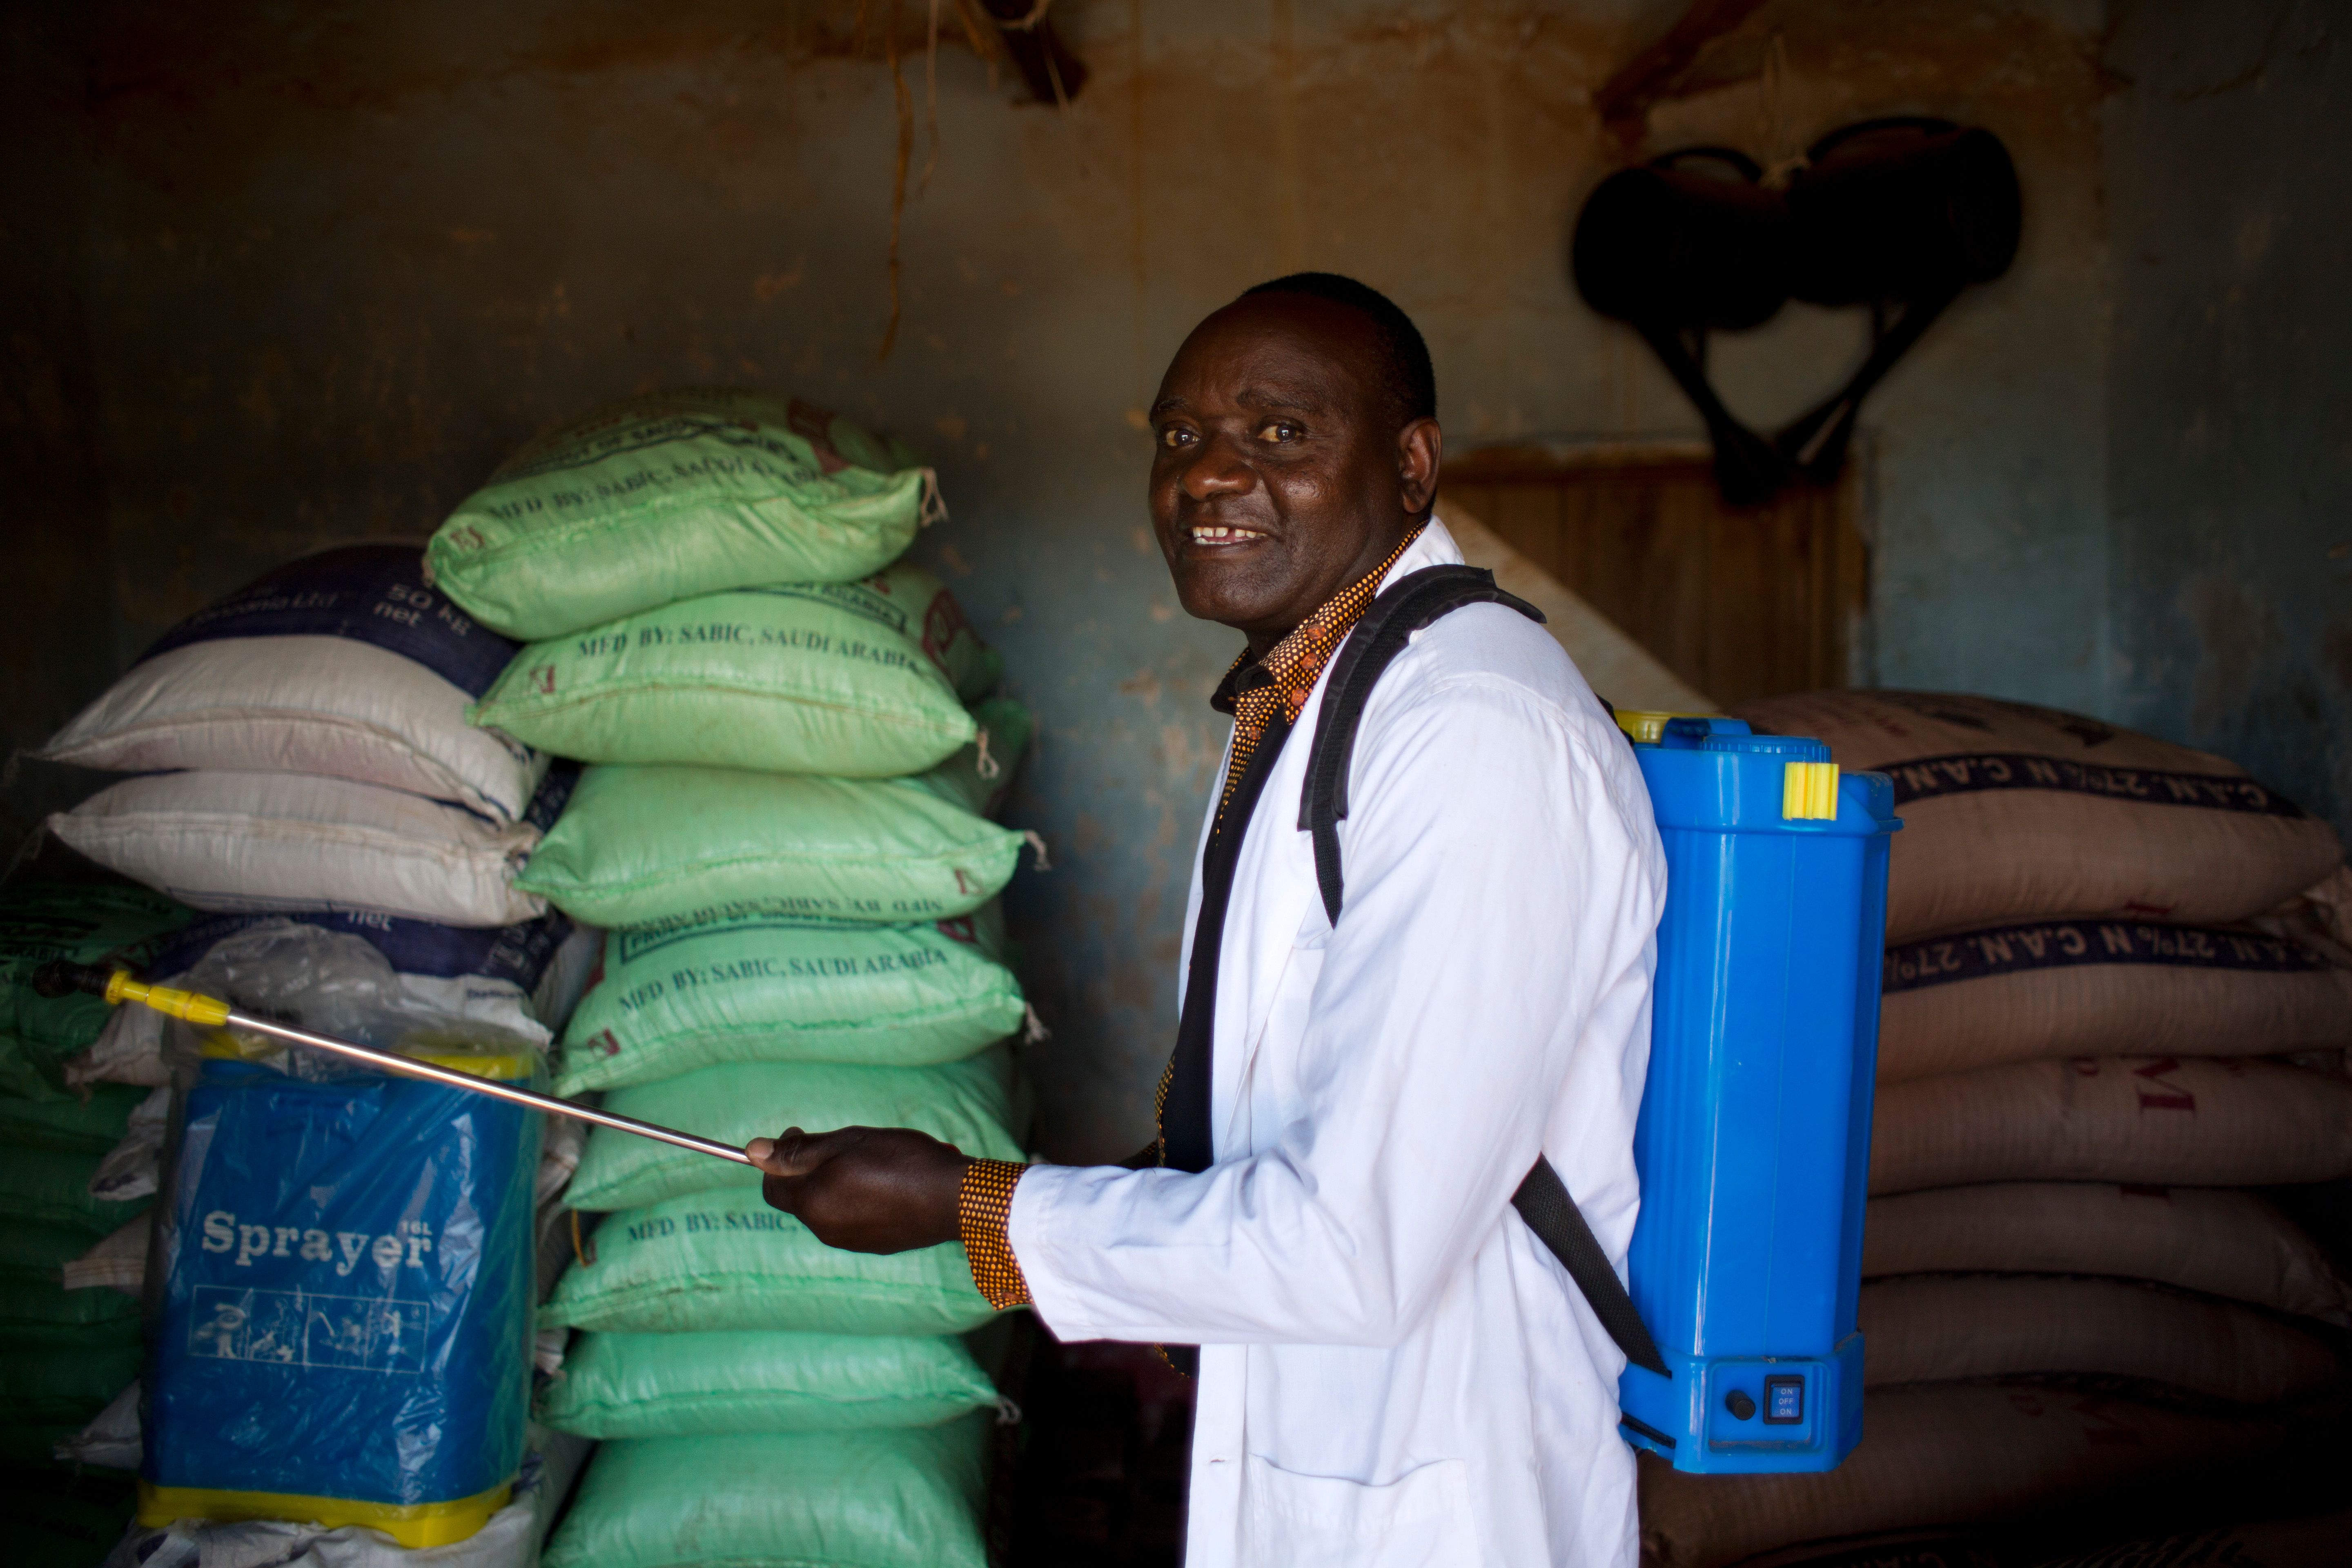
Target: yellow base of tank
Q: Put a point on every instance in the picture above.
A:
(411, 1524)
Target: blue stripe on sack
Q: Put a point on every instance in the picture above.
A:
(518, 953)
(1929, 778)
(374, 594)
(554, 794)
(2068, 944)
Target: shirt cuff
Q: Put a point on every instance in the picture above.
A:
(982, 1205)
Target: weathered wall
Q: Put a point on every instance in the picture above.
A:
(1987, 467)
(56, 637)
(343, 257)
(2230, 470)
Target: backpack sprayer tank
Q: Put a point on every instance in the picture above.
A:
(1753, 1142)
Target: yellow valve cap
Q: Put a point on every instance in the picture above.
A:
(1808, 792)
(195, 1007)
(1646, 726)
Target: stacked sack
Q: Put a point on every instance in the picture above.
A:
(302, 744)
(302, 762)
(63, 1355)
(302, 756)
(786, 825)
(2087, 1052)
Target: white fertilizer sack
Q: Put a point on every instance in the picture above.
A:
(343, 663)
(248, 841)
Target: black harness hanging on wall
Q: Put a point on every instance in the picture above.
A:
(1899, 214)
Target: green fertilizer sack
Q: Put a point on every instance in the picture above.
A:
(776, 988)
(50, 1315)
(92, 923)
(725, 1259)
(51, 1187)
(53, 1390)
(673, 496)
(967, 1104)
(855, 680)
(638, 845)
(71, 1126)
(37, 1254)
(61, 1385)
(61, 1519)
(886, 1498)
(713, 1385)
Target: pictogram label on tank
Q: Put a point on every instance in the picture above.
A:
(301, 1328)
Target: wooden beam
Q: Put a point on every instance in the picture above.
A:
(1624, 100)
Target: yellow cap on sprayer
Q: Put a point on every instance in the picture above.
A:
(195, 1006)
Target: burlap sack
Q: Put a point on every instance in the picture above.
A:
(2079, 988)
(1932, 1454)
(2015, 813)
(2114, 1119)
(2214, 1240)
(2305, 1541)
(1946, 1328)
(2317, 1541)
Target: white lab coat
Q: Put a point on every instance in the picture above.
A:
(1394, 1371)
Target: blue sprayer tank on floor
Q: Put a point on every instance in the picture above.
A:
(1753, 1143)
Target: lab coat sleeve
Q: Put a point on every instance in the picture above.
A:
(1502, 887)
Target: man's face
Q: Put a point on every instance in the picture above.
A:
(1280, 474)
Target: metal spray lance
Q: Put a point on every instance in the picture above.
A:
(118, 986)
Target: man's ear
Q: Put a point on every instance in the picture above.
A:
(1420, 451)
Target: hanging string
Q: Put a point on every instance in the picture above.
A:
(1053, 67)
(932, 97)
(1783, 157)
(981, 34)
(906, 106)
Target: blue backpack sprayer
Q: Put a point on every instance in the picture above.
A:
(1753, 1143)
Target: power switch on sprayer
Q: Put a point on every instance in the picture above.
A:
(1784, 1401)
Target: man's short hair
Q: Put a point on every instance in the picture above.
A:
(1406, 375)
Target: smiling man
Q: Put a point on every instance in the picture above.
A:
(1393, 1369)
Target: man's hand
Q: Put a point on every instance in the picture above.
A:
(864, 1189)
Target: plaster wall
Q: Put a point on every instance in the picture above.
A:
(2230, 470)
(57, 635)
(339, 258)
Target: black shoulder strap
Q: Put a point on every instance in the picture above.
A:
(1405, 606)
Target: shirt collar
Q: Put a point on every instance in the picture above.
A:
(1295, 663)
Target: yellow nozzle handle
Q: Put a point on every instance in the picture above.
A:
(195, 1006)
